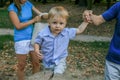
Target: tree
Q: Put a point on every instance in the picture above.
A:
(89, 4)
(1, 3)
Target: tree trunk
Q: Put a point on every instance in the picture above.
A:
(1, 3)
(108, 3)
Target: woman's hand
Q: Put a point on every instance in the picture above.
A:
(37, 19)
(44, 15)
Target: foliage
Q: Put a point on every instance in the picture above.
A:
(4, 40)
(87, 56)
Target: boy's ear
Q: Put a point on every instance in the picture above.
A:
(48, 21)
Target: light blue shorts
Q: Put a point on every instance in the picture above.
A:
(23, 47)
(60, 67)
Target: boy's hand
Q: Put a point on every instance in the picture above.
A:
(87, 16)
(39, 54)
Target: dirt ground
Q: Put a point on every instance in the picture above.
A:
(77, 75)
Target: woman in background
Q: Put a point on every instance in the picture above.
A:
(21, 15)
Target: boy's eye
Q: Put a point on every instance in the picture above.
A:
(61, 23)
(54, 22)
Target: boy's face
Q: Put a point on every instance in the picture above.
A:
(57, 24)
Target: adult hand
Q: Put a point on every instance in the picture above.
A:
(37, 19)
(44, 15)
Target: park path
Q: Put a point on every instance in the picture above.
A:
(85, 38)
(4, 31)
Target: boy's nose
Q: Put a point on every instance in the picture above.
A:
(57, 25)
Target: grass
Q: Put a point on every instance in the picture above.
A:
(4, 19)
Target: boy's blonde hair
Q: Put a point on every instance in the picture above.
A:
(58, 11)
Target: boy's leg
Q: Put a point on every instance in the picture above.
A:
(60, 68)
(112, 71)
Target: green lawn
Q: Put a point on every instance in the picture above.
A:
(4, 19)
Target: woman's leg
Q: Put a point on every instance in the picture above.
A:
(35, 62)
(22, 48)
(21, 65)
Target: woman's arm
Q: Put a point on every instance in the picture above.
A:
(16, 22)
(42, 15)
(36, 10)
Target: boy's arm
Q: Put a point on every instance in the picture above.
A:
(82, 27)
(36, 47)
(37, 51)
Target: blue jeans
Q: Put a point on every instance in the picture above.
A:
(112, 71)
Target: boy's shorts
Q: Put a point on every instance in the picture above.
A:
(59, 68)
(23, 47)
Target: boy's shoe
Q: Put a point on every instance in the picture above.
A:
(58, 77)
